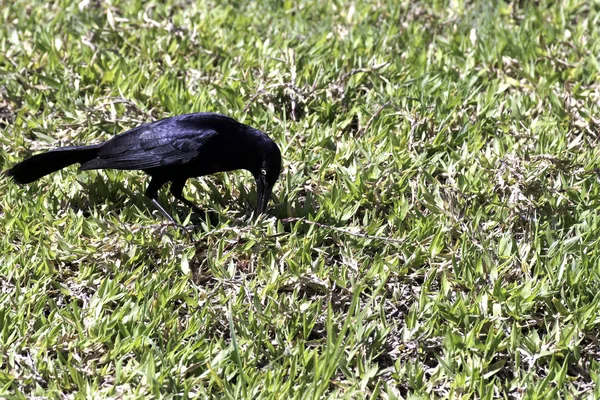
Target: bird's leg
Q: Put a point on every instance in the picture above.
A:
(177, 192)
(152, 193)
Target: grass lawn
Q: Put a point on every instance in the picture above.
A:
(435, 232)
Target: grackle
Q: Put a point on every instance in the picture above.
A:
(171, 150)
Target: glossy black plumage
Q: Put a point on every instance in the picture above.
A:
(171, 150)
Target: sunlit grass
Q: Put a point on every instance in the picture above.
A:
(434, 233)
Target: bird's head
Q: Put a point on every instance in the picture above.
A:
(267, 174)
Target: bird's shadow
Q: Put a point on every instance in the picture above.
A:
(116, 197)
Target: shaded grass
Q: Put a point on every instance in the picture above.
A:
(465, 132)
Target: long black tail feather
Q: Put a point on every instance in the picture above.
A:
(43, 164)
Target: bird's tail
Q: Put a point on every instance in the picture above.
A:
(43, 164)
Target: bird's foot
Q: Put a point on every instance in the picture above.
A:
(187, 228)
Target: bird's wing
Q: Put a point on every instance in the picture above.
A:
(160, 144)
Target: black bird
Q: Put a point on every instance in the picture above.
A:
(171, 150)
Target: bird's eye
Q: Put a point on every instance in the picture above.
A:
(263, 171)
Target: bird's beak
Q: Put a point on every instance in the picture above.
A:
(264, 194)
